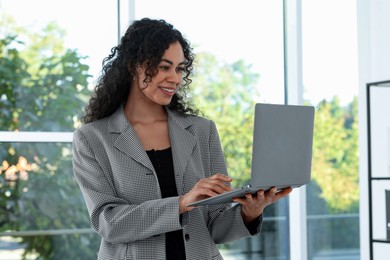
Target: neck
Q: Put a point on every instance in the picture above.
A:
(136, 112)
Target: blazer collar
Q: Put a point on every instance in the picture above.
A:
(118, 123)
(183, 143)
(127, 141)
(181, 138)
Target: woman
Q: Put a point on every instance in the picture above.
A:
(143, 154)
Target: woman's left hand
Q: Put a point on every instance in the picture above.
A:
(254, 205)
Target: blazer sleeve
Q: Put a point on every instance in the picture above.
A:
(225, 221)
(111, 216)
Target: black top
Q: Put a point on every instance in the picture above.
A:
(163, 165)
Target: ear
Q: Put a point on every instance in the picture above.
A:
(140, 69)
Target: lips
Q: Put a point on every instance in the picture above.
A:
(168, 91)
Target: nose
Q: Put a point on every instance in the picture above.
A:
(174, 77)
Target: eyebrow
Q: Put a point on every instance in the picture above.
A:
(171, 63)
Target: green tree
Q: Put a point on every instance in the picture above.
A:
(227, 93)
(43, 87)
(335, 155)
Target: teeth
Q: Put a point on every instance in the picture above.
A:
(168, 90)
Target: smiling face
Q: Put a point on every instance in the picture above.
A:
(165, 83)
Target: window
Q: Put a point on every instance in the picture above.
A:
(331, 83)
(49, 58)
(50, 61)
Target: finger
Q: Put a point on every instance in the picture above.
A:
(204, 191)
(246, 200)
(208, 192)
(287, 190)
(219, 188)
(249, 197)
(271, 192)
(213, 185)
(241, 200)
(220, 176)
(283, 193)
(216, 183)
(260, 194)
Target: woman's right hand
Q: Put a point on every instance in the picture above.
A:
(205, 188)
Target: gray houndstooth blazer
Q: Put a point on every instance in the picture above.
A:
(122, 194)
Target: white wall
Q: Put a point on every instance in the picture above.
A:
(374, 65)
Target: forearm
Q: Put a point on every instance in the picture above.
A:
(228, 225)
(127, 223)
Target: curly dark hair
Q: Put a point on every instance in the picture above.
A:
(144, 42)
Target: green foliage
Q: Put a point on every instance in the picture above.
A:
(226, 93)
(43, 87)
(13, 71)
(335, 155)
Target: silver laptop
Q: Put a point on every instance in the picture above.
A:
(281, 151)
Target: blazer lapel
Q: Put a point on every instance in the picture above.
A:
(182, 143)
(128, 141)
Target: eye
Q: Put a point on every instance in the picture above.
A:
(181, 69)
(164, 67)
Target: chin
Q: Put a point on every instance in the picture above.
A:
(166, 102)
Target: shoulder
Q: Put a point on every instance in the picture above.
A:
(114, 123)
(202, 122)
(196, 122)
(92, 129)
